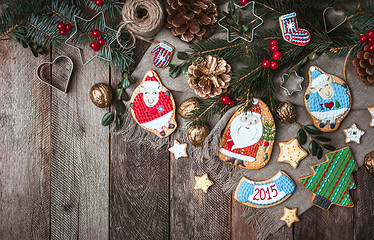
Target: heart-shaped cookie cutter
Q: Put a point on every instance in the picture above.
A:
(324, 20)
(51, 63)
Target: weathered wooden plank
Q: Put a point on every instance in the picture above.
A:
(24, 146)
(194, 213)
(283, 233)
(139, 191)
(315, 223)
(80, 156)
(239, 229)
(363, 198)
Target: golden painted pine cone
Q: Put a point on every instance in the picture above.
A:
(210, 77)
(191, 19)
(363, 66)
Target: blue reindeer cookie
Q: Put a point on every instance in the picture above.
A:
(327, 99)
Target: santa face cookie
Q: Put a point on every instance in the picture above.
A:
(153, 106)
(248, 139)
(327, 99)
(264, 194)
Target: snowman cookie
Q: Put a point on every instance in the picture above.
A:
(327, 99)
(248, 138)
(153, 106)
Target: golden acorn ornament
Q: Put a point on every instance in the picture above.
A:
(369, 162)
(187, 106)
(286, 112)
(191, 19)
(210, 77)
(196, 135)
(101, 95)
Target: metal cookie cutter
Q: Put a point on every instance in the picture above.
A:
(289, 93)
(64, 90)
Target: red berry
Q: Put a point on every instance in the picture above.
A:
(61, 26)
(244, 2)
(370, 34)
(276, 55)
(274, 48)
(63, 32)
(101, 41)
(95, 46)
(273, 42)
(225, 99)
(266, 63)
(266, 144)
(371, 48)
(96, 33)
(273, 65)
(99, 2)
(363, 38)
(370, 40)
(230, 103)
(69, 27)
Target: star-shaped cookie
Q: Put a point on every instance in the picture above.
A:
(179, 149)
(203, 182)
(353, 134)
(371, 111)
(291, 152)
(289, 216)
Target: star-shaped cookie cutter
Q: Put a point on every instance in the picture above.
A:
(253, 29)
(81, 49)
(289, 93)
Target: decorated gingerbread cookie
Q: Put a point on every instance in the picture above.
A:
(327, 99)
(353, 134)
(264, 194)
(371, 111)
(153, 106)
(289, 216)
(163, 53)
(203, 182)
(332, 180)
(291, 152)
(248, 139)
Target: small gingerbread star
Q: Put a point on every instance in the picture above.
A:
(371, 111)
(203, 182)
(179, 149)
(353, 134)
(289, 216)
(291, 152)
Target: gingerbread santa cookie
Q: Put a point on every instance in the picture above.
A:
(327, 99)
(248, 139)
(153, 106)
(264, 194)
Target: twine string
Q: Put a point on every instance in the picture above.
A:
(143, 27)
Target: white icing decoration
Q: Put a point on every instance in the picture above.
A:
(330, 115)
(371, 111)
(179, 149)
(158, 123)
(353, 134)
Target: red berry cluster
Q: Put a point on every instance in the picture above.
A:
(98, 3)
(64, 29)
(369, 37)
(96, 45)
(244, 2)
(226, 100)
(273, 45)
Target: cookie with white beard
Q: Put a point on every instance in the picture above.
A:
(248, 138)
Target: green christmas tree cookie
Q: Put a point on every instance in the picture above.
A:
(332, 180)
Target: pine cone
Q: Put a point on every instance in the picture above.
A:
(191, 19)
(209, 78)
(363, 66)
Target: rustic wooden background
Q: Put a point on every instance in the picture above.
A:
(99, 187)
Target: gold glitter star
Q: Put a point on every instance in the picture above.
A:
(289, 216)
(203, 182)
(291, 152)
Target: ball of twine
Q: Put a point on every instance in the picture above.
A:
(142, 18)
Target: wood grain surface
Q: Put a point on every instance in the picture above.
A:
(64, 176)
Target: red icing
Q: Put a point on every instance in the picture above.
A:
(144, 114)
(329, 105)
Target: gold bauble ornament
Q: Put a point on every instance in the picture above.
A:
(286, 112)
(197, 135)
(369, 162)
(187, 106)
(101, 95)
